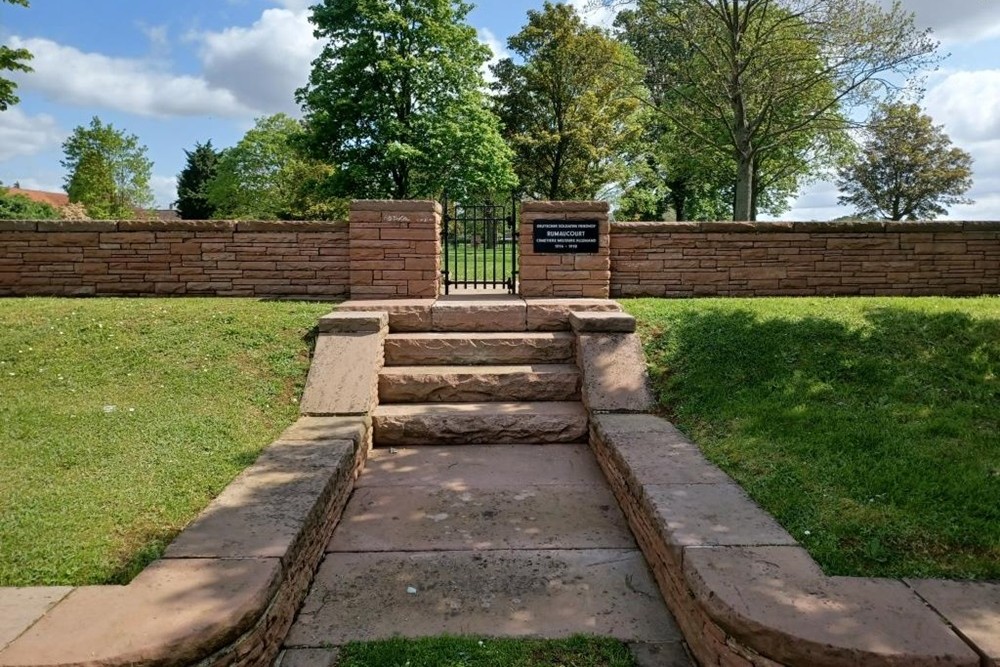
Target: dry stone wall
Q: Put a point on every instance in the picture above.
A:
(146, 258)
(391, 250)
(804, 259)
(564, 275)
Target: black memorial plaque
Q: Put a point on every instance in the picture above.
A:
(567, 236)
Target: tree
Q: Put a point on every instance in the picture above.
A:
(907, 169)
(12, 60)
(569, 109)
(395, 101)
(192, 191)
(267, 177)
(776, 74)
(18, 207)
(109, 172)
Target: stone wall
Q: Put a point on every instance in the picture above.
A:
(804, 259)
(395, 249)
(145, 258)
(571, 275)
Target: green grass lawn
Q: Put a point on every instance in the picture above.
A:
(472, 652)
(123, 418)
(869, 427)
(479, 262)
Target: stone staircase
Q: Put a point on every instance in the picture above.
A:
(479, 387)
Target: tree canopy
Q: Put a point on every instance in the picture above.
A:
(12, 60)
(192, 183)
(395, 102)
(266, 176)
(108, 171)
(907, 168)
(772, 81)
(569, 108)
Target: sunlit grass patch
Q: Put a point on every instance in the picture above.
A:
(123, 418)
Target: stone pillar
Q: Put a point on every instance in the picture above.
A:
(395, 249)
(562, 273)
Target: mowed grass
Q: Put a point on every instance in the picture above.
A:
(123, 418)
(479, 263)
(472, 652)
(869, 427)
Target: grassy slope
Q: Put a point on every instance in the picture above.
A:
(123, 418)
(471, 652)
(869, 427)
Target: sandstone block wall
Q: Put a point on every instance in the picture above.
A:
(564, 275)
(395, 249)
(147, 258)
(804, 259)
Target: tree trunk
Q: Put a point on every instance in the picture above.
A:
(678, 200)
(743, 204)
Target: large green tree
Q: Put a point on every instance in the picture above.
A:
(779, 75)
(569, 107)
(266, 176)
(907, 168)
(108, 171)
(12, 60)
(192, 183)
(395, 101)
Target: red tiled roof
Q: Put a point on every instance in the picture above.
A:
(56, 199)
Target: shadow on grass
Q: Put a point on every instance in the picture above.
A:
(875, 439)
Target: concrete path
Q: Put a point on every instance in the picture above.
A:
(505, 540)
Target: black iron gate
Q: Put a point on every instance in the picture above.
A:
(480, 246)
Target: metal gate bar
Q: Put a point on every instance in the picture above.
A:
(481, 237)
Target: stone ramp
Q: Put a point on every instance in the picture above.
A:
(508, 540)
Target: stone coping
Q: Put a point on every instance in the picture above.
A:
(847, 227)
(745, 592)
(227, 588)
(226, 226)
(479, 312)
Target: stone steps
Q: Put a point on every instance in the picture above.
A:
(469, 349)
(475, 384)
(480, 423)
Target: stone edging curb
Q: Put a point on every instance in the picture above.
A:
(741, 588)
(228, 587)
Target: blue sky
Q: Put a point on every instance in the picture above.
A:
(179, 72)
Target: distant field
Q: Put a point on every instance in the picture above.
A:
(123, 418)
(869, 427)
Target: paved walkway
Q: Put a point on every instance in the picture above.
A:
(506, 540)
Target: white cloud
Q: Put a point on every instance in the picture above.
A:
(595, 14)
(22, 135)
(35, 184)
(956, 19)
(262, 65)
(164, 190)
(70, 76)
(968, 104)
(497, 46)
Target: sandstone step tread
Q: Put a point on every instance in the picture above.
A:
(554, 408)
(518, 517)
(506, 369)
(464, 468)
(553, 593)
(483, 335)
(472, 384)
(479, 348)
(480, 423)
